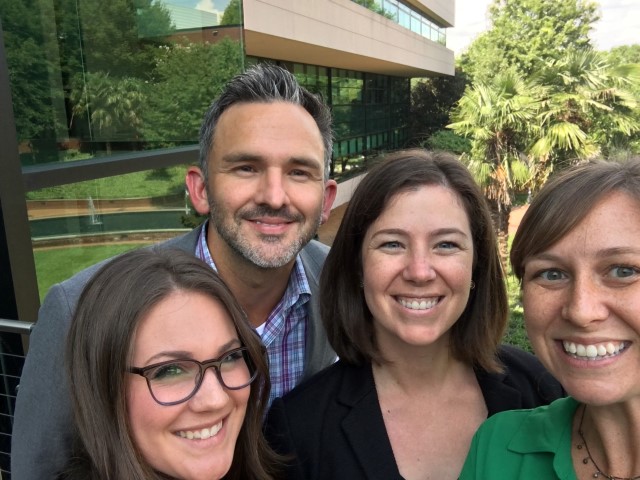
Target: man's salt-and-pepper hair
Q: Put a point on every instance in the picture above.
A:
(266, 83)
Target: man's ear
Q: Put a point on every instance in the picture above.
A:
(330, 192)
(197, 190)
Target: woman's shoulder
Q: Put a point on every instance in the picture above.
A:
(527, 429)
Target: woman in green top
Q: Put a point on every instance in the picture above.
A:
(577, 256)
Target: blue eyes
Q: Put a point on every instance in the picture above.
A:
(551, 275)
(615, 272)
(621, 271)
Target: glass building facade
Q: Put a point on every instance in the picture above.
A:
(100, 106)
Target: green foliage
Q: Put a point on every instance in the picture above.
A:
(623, 54)
(431, 103)
(112, 104)
(29, 44)
(527, 32)
(232, 14)
(448, 141)
(180, 94)
(516, 333)
(119, 37)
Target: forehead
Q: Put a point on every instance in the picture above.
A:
(260, 124)
(612, 221)
(183, 320)
(430, 205)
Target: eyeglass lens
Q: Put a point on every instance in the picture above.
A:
(172, 382)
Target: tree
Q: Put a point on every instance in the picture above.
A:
(498, 117)
(527, 32)
(587, 105)
(232, 14)
(623, 54)
(180, 94)
(112, 104)
(431, 102)
(29, 37)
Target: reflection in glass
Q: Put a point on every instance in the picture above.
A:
(76, 225)
(91, 78)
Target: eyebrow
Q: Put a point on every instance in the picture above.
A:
(435, 233)
(604, 253)
(175, 354)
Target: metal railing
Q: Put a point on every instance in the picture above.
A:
(13, 338)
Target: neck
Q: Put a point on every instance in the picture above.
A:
(258, 290)
(607, 442)
(431, 371)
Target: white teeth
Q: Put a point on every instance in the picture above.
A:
(592, 352)
(416, 304)
(201, 434)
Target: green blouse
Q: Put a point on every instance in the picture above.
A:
(524, 444)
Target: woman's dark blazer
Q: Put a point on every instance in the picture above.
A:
(333, 427)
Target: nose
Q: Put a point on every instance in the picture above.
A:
(211, 394)
(419, 268)
(586, 303)
(272, 191)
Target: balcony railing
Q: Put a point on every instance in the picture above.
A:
(11, 364)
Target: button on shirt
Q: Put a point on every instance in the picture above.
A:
(284, 331)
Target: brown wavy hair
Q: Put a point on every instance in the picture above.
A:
(348, 320)
(566, 200)
(99, 349)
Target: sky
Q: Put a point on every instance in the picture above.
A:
(619, 24)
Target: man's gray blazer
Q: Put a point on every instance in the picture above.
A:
(42, 429)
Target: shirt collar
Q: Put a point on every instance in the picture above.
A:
(548, 429)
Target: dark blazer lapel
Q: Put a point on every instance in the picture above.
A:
(364, 426)
(498, 395)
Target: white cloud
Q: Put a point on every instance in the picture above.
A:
(206, 6)
(619, 24)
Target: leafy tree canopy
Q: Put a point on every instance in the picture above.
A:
(431, 102)
(624, 54)
(527, 32)
(232, 14)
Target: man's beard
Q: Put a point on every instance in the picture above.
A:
(231, 233)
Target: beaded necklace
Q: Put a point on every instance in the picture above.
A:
(588, 458)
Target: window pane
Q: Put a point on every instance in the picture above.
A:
(91, 78)
(76, 225)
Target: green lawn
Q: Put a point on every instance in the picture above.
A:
(151, 183)
(57, 264)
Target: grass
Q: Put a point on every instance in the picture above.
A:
(151, 183)
(58, 264)
(516, 333)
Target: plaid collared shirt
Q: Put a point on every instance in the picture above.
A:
(284, 332)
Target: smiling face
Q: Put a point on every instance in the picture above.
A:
(417, 260)
(266, 193)
(194, 440)
(581, 301)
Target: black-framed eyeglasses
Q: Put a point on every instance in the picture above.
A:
(176, 381)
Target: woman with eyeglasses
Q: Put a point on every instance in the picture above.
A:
(168, 380)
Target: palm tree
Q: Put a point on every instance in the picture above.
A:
(586, 103)
(113, 106)
(499, 117)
